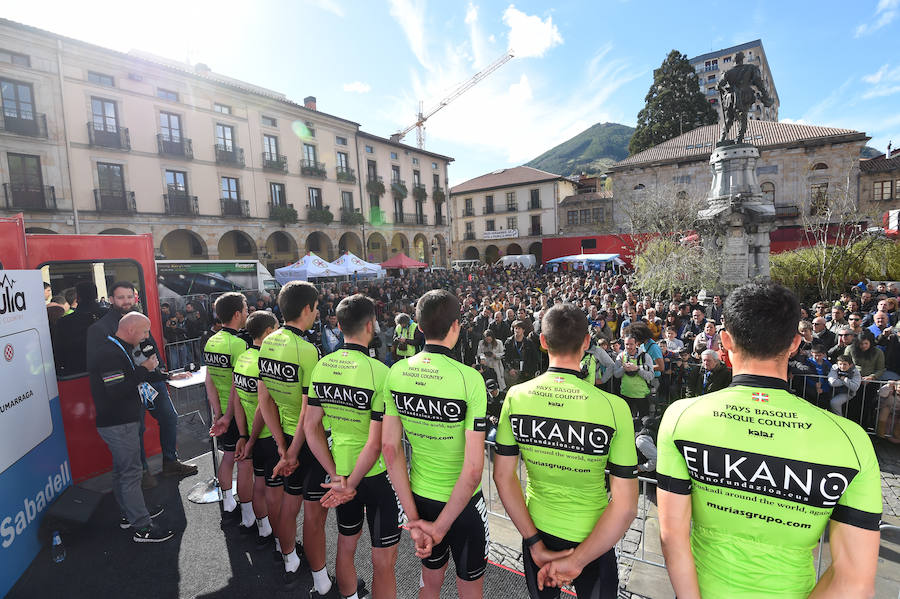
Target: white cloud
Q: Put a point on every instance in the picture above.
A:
(410, 15)
(884, 82)
(885, 13)
(800, 121)
(529, 36)
(332, 6)
(357, 87)
(476, 37)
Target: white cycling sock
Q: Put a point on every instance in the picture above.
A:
(321, 581)
(247, 515)
(291, 561)
(277, 545)
(265, 529)
(228, 501)
(353, 596)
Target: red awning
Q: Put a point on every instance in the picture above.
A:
(402, 261)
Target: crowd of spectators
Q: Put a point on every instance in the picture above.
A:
(650, 350)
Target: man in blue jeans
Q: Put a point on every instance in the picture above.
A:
(122, 301)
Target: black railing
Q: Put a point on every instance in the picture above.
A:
(351, 216)
(469, 236)
(488, 210)
(115, 201)
(421, 219)
(235, 207)
(119, 139)
(29, 198)
(535, 231)
(230, 155)
(371, 178)
(179, 147)
(440, 220)
(787, 211)
(534, 205)
(181, 203)
(408, 218)
(33, 127)
(468, 212)
(311, 168)
(345, 174)
(274, 162)
(508, 208)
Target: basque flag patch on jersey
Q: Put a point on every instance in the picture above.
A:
(558, 379)
(763, 397)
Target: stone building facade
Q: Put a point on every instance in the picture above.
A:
(799, 166)
(506, 212)
(879, 183)
(97, 141)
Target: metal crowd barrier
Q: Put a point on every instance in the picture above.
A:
(866, 406)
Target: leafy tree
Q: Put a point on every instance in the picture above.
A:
(674, 105)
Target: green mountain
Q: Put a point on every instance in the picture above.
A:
(592, 151)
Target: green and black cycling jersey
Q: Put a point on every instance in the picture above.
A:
(348, 385)
(220, 354)
(437, 400)
(568, 433)
(765, 470)
(246, 377)
(286, 362)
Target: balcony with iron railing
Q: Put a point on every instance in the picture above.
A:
(351, 216)
(178, 147)
(179, 203)
(345, 174)
(535, 230)
(36, 126)
(311, 168)
(231, 207)
(229, 155)
(409, 218)
(469, 236)
(440, 220)
(488, 210)
(534, 205)
(29, 198)
(274, 162)
(787, 211)
(118, 140)
(468, 212)
(115, 201)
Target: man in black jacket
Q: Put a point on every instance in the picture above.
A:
(122, 301)
(712, 376)
(116, 384)
(521, 357)
(70, 332)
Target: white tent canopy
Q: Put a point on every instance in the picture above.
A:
(588, 258)
(350, 264)
(309, 266)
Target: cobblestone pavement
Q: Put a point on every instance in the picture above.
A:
(889, 460)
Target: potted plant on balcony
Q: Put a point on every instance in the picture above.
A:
(438, 195)
(320, 215)
(352, 217)
(284, 214)
(398, 190)
(419, 193)
(376, 187)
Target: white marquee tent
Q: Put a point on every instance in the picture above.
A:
(309, 266)
(350, 264)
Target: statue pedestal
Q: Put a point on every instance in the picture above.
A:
(736, 225)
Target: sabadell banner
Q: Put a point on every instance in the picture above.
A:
(34, 464)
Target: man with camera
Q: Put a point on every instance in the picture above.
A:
(123, 299)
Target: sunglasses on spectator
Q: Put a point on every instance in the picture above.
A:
(854, 319)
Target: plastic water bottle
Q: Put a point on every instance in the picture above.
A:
(58, 551)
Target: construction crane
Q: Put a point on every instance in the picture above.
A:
(419, 125)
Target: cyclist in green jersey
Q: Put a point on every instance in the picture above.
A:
(246, 379)
(761, 472)
(568, 433)
(440, 404)
(220, 354)
(286, 361)
(347, 386)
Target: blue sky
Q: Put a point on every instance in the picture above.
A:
(834, 63)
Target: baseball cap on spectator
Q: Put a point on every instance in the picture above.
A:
(491, 384)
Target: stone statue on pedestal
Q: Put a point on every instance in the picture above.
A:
(736, 92)
(735, 226)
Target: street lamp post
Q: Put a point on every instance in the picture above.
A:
(433, 250)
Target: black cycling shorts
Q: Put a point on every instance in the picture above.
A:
(228, 440)
(265, 458)
(467, 538)
(376, 497)
(307, 479)
(598, 580)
